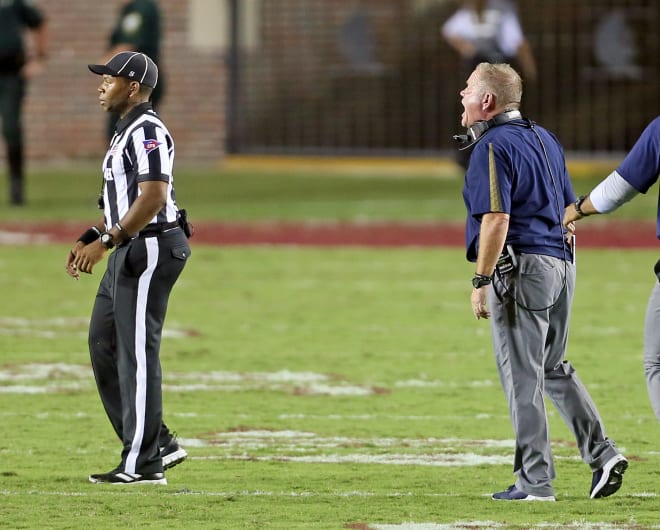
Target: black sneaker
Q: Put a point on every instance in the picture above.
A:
(172, 453)
(608, 479)
(121, 477)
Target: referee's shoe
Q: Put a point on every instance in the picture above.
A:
(172, 453)
(121, 477)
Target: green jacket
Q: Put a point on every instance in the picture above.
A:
(139, 24)
(15, 17)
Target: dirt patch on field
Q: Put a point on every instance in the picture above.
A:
(608, 234)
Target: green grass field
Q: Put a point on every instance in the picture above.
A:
(313, 388)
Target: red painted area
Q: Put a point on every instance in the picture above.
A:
(605, 234)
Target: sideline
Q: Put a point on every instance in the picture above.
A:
(598, 234)
(579, 165)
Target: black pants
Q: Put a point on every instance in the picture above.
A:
(12, 92)
(124, 341)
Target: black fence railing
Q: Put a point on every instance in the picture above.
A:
(376, 76)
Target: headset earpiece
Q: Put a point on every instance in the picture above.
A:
(478, 128)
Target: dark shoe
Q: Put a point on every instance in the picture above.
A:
(16, 192)
(608, 479)
(16, 198)
(514, 494)
(121, 477)
(172, 453)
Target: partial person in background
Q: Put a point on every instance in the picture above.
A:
(138, 29)
(516, 189)
(488, 31)
(636, 174)
(18, 64)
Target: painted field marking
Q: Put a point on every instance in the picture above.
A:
(57, 377)
(311, 448)
(49, 328)
(61, 377)
(473, 525)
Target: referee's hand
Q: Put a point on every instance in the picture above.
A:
(82, 258)
(69, 266)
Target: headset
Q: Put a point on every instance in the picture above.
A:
(474, 134)
(478, 128)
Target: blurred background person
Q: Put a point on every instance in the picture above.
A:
(488, 31)
(138, 29)
(18, 63)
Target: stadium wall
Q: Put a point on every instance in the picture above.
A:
(62, 117)
(367, 77)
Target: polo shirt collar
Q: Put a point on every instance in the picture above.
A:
(132, 115)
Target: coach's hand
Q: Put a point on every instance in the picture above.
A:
(478, 299)
(570, 216)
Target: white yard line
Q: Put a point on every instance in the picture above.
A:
(472, 525)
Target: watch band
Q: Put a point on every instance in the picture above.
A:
(578, 205)
(479, 280)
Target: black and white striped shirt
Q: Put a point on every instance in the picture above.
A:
(141, 149)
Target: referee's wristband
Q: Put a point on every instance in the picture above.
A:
(90, 235)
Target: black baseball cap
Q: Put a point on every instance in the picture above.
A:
(131, 65)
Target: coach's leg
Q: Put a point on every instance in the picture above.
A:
(652, 349)
(564, 387)
(518, 336)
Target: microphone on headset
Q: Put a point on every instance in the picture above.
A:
(462, 138)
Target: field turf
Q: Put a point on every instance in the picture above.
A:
(314, 388)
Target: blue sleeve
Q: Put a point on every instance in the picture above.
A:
(488, 180)
(641, 166)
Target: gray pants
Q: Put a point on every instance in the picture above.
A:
(530, 345)
(652, 349)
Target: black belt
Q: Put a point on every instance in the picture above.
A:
(155, 229)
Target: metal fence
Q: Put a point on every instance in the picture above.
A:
(376, 77)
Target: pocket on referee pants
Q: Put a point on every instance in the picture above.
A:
(181, 252)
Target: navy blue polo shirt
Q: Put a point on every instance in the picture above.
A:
(508, 173)
(641, 166)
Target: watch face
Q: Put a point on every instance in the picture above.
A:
(480, 282)
(106, 240)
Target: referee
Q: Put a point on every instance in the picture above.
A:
(142, 222)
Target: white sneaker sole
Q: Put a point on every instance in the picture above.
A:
(614, 467)
(174, 458)
(129, 482)
(529, 498)
(541, 499)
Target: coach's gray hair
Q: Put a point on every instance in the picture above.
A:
(502, 81)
